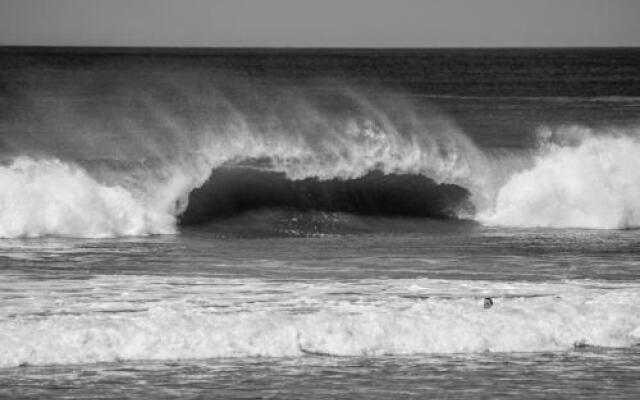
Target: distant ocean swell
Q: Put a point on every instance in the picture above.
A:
(359, 153)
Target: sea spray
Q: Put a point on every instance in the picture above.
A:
(580, 179)
(168, 138)
(51, 197)
(142, 184)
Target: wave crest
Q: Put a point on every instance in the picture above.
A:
(178, 134)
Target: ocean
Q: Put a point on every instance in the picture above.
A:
(319, 223)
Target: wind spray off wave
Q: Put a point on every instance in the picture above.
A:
(300, 137)
(165, 143)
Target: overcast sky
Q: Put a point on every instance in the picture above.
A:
(409, 23)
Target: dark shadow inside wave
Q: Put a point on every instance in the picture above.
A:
(231, 192)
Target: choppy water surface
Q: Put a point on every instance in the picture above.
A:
(590, 374)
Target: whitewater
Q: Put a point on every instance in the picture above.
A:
(163, 319)
(242, 223)
(589, 182)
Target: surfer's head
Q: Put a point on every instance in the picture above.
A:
(488, 302)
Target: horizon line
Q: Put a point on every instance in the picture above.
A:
(228, 47)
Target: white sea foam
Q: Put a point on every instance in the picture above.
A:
(579, 179)
(51, 197)
(117, 318)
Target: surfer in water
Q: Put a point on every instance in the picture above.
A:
(488, 302)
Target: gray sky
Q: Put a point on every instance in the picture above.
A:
(411, 23)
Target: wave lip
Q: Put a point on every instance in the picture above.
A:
(411, 317)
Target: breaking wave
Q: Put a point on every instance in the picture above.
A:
(578, 180)
(146, 158)
(213, 318)
(340, 150)
(589, 181)
(49, 197)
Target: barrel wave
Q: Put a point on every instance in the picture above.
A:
(142, 169)
(147, 157)
(231, 192)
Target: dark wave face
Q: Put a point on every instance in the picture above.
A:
(231, 192)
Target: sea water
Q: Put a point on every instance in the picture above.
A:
(319, 223)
